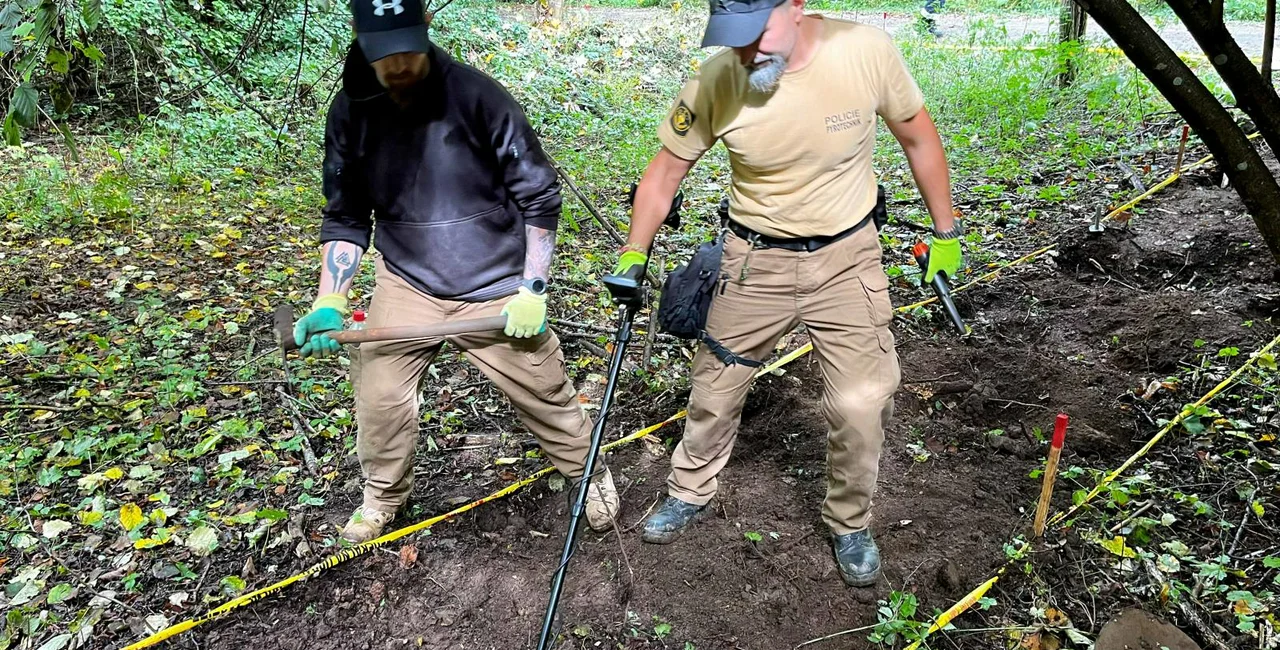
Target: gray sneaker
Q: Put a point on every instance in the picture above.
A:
(858, 558)
(670, 521)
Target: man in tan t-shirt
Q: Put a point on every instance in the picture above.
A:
(795, 100)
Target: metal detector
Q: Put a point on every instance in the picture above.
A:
(628, 291)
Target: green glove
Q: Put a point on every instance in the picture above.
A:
(326, 316)
(944, 255)
(526, 314)
(629, 259)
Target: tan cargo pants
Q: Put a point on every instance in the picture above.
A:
(386, 376)
(841, 294)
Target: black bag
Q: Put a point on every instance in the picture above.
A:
(686, 299)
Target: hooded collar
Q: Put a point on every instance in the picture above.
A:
(361, 84)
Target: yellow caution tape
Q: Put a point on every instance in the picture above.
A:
(970, 600)
(1115, 51)
(1186, 411)
(957, 609)
(1162, 184)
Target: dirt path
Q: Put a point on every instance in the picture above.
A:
(1076, 332)
(957, 27)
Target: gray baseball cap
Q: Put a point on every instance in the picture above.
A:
(735, 23)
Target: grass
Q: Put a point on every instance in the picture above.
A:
(143, 435)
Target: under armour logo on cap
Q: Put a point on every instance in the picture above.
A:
(380, 7)
(386, 27)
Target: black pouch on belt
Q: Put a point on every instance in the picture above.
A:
(686, 299)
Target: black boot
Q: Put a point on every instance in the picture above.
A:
(666, 525)
(858, 558)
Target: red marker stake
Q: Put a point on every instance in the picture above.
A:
(1050, 473)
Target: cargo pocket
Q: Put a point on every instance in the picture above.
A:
(875, 285)
(546, 369)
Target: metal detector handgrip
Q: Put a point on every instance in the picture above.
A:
(628, 288)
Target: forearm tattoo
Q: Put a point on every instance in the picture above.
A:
(540, 245)
(341, 261)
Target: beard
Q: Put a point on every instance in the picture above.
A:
(766, 72)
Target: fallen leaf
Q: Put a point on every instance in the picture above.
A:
(377, 590)
(408, 555)
(202, 541)
(177, 599)
(1117, 546)
(157, 622)
(54, 528)
(58, 594)
(130, 516)
(1056, 618)
(57, 643)
(1242, 608)
(555, 482)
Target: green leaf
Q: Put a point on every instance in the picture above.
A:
(661, 630)
(206, 445)
(232, 585)
(1258, 509)
(23, 30)
(1271, 562)
(1267, 361)
(12, 137)
(58, 61)
(1199, 343)
(1193, 425)
(59, 593)
(58, 642)
(23, 105)
(1229, 352)
(202, 541)
(95, 54)
(272, 515)
(91, 14)
(753, 536)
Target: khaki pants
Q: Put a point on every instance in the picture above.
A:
(841, 294)
(386, 376)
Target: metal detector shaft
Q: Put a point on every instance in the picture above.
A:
(620, 340)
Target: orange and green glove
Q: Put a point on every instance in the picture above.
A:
(944, 255)
(326, 315)
(526, 314)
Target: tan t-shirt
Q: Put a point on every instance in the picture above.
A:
(801, 157)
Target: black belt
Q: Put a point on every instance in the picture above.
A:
(808, 244)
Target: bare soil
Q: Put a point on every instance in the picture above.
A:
(1077, 332)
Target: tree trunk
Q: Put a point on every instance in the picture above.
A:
(1202, 111)
(1268, 45)
(1071, 23)
(1255, 98)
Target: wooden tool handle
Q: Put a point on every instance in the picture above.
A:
(348, 337)
(1050, 474)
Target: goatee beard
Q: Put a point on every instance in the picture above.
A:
(766, 74)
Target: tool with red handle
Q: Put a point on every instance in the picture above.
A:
(941, 288)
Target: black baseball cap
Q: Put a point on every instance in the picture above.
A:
(386, 27)
(735, 23)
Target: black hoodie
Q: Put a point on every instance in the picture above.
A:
(451, 181)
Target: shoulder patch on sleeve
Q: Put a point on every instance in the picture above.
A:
(682, 118)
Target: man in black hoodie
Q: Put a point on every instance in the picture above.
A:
(466, 204)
